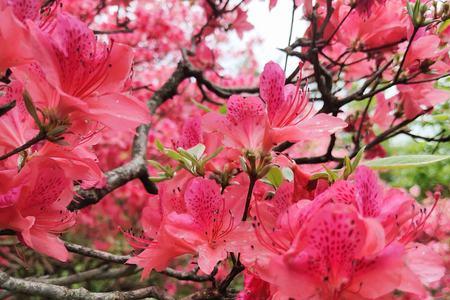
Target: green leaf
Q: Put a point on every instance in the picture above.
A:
(348, 167)
(159, 145)
(358, 157)
(243, 164)
(201, 106)
(197, 151)
(157, 179)
(321, 175)
(222, 109)
(441, 117)
(409, 8)
(287, 173)
(156, 165)
(174, 155)
(443, 26)
(332, 175)
(31, 108)
(186, 155)
(404, 161)
(275, 176)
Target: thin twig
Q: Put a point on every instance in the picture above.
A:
(121, 259)
(7, 107)
(290, 33)
(39, 137)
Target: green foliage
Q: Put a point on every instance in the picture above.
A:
(426, 177)
(405, 161)
(275, 176)
(430, 176)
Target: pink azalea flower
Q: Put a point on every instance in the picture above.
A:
(191, 133)
(286, 116)
(365, 6)
(423, 54)
(85, 79)
(241, 24)
(289, 110)
(195, 220)
(393, 208)
(35, 207)
(254, 288)
(317, 262)
(302, 241)
(419, 97)
(203, 58)
(17, 127)
(210, 223)
(14, 33)
(157, 245)
(244, 125)
(384, 111)
(386, 24)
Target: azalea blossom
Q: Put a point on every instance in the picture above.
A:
(347, 242)
(82, 82)
(34, 206)
(17, 128)
(202, 222)
(242, 179)
(14, 30)
(282, 113)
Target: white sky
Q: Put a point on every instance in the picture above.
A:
(272, 27)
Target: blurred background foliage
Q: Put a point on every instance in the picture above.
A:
(431, 177)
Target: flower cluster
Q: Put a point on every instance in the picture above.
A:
(299, 238)
(67, 87)
(118, 114)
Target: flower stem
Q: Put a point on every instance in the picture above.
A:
(39, 137)
(253, 179)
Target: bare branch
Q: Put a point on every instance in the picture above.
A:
(411, 39)
(235, 271)
(7, 107)
(51, 291)
(102, 255)
(114, 31)
(102, 272)
(121, 259)
(135, 168)
(428, 139)
(189, 276)
(208, 294)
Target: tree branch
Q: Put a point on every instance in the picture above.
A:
(121, 259)
(428, 139)
(137, 167)
(102, 272)
(51, 291)
(7, 107)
